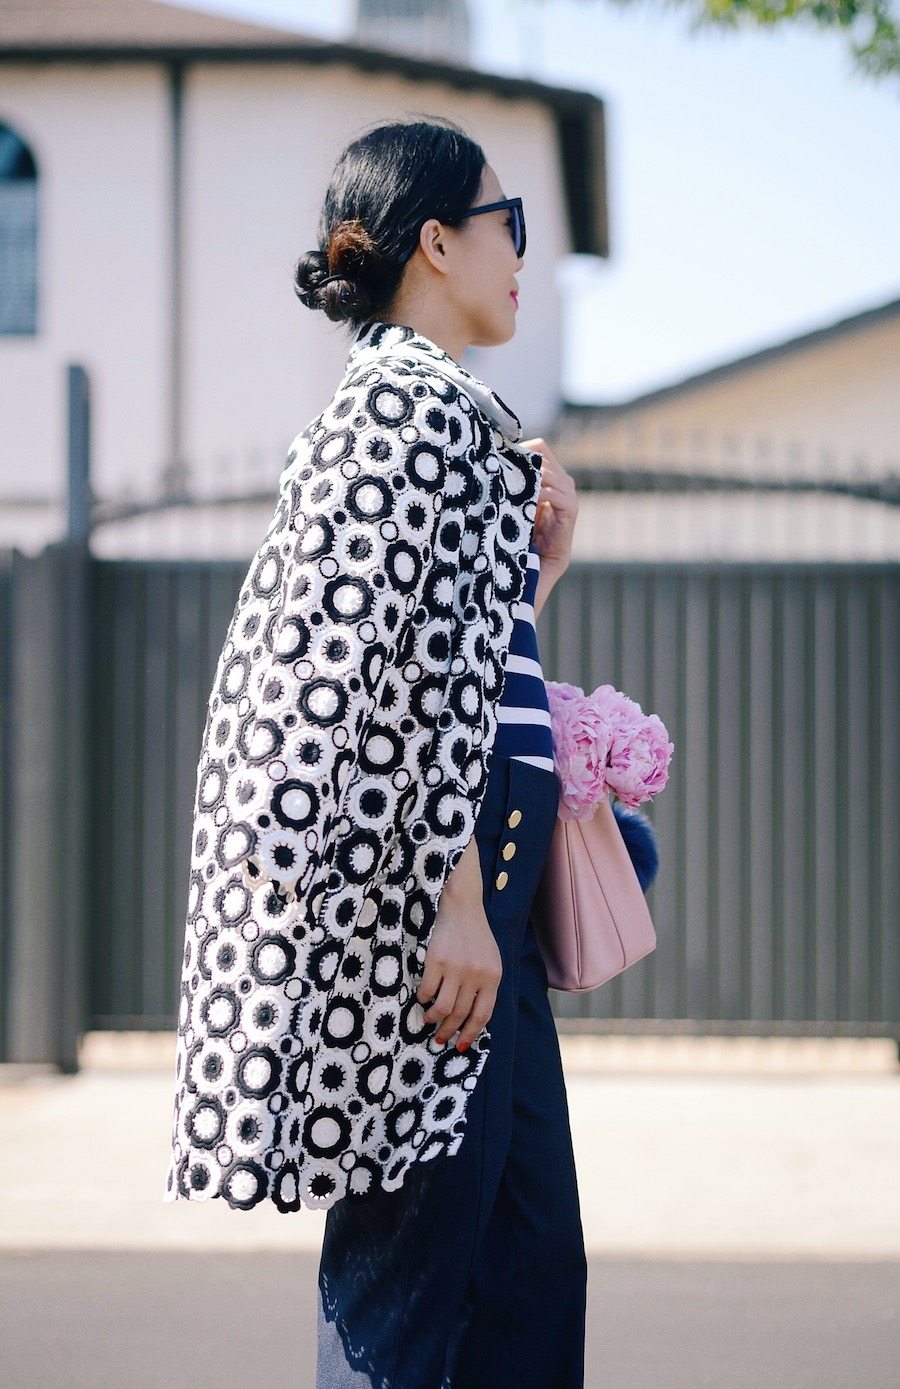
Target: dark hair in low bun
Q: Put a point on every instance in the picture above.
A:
(339, 294)
(385, 185)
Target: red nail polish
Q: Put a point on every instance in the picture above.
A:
(463, 1046)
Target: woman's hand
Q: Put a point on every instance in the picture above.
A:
(463, 966)
(554, 521)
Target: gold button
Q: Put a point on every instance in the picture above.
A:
(508, 851)
(514, 819)
(502, 880)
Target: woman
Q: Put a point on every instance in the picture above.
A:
(375, 797)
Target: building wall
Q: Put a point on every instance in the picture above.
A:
(99, 136)
(828, 412)
(259, 144)
(827, 405)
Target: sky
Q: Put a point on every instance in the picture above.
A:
(752, 181)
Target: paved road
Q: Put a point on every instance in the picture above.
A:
(97, 1320)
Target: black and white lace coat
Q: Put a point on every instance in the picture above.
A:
(343, 763)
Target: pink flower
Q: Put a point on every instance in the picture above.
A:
(616, 706)
(604, 742)
(558, 690)
(639, 760)
(580, 750)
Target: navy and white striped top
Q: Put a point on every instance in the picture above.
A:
(523, 714)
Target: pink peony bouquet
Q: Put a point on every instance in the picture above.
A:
(603, 742)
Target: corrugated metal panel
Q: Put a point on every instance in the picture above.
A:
(164, 625)
(777, 900)
(777, 904)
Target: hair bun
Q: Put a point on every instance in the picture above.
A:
(309, 272)
(335, 292)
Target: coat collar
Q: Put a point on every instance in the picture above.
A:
(379, 339)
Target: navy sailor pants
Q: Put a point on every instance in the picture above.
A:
(473, 1275)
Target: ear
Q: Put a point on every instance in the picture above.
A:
(433, 243)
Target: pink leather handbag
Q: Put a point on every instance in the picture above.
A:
(590, 915)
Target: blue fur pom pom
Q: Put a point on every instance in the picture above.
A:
(640, 841)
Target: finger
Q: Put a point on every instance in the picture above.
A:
(434, 979)
(429, 983)
(478, 1018)
(557, 479)
(561, 487)
(560, 498)
(458, 1014)
(445, 1000)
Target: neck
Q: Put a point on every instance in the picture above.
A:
(432, 321)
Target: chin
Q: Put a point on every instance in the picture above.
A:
(496, 334)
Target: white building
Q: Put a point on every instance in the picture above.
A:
(162, 169)
(790, 452)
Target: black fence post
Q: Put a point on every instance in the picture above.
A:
(79, 435)
(48, 839)
(6, 801)
(74, 725)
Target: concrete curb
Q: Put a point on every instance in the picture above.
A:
(588, 1053)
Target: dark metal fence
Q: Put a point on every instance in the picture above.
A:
(163, 624)
(777, 902)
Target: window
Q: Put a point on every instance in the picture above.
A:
(18, 235)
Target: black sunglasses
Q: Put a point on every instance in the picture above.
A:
(517, 220)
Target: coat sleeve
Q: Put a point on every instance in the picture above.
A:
(337, 660)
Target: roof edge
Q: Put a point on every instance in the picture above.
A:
(579, 115)
(815, 336)
(302, 49)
